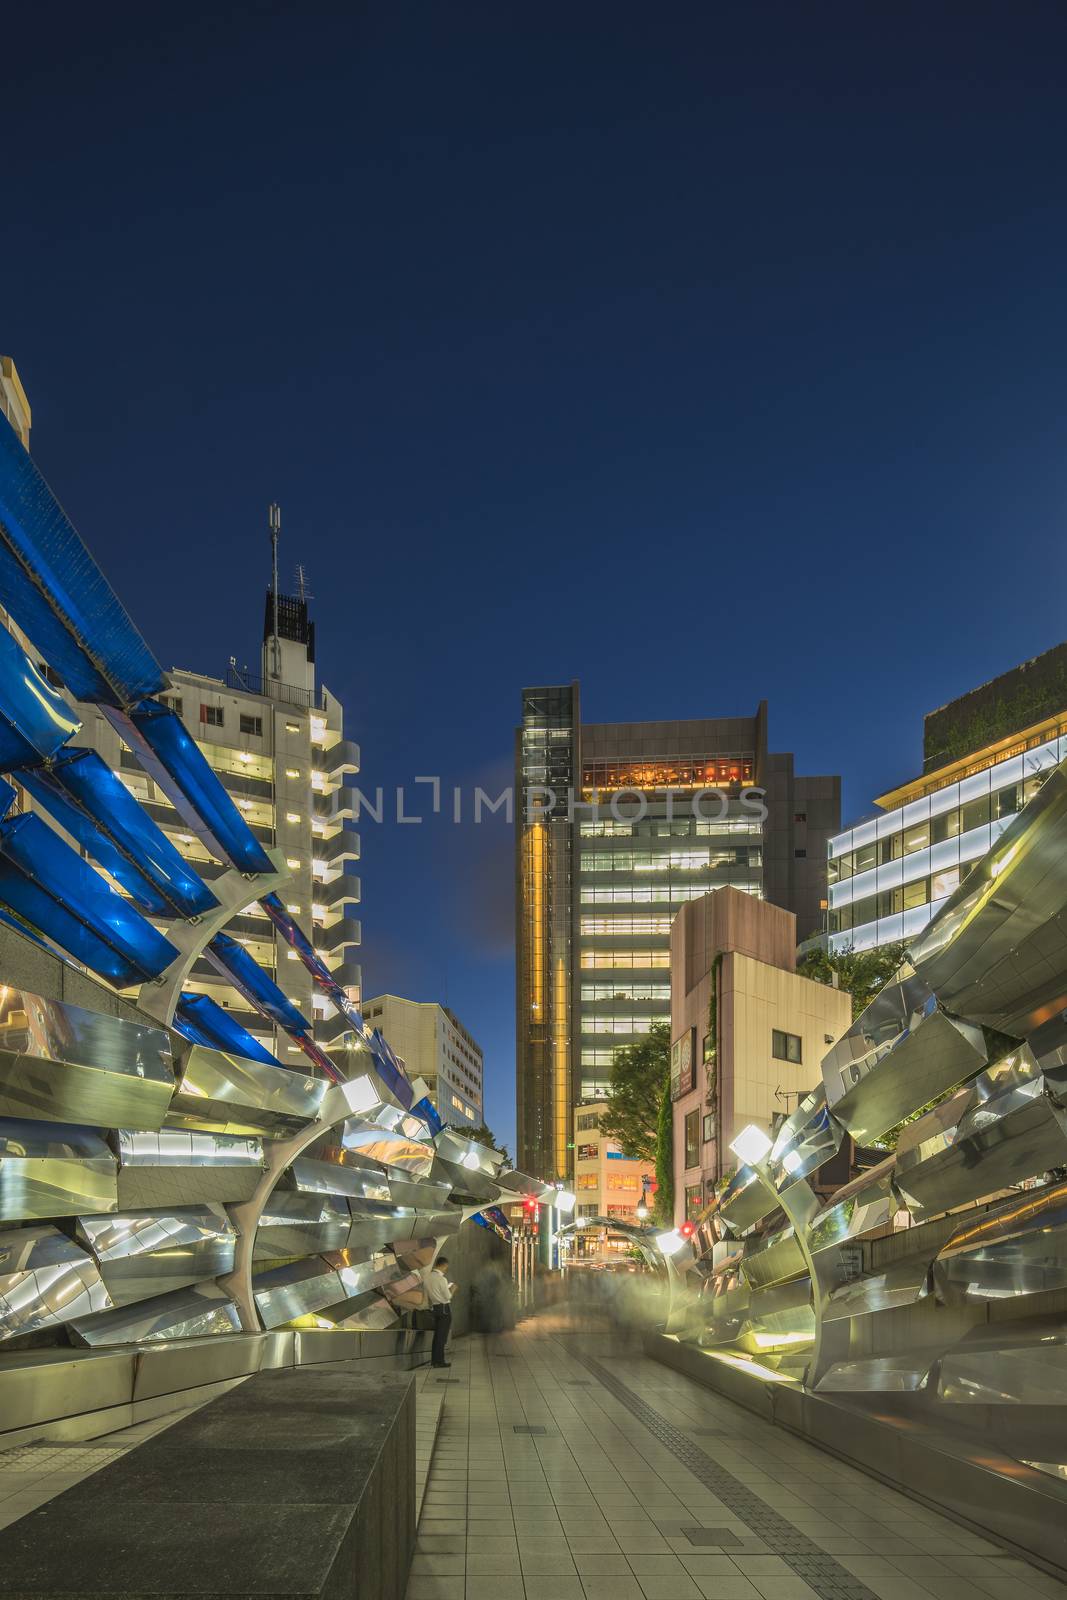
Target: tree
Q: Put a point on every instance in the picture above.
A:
(665, 1158)
(859, 973)
(638, 1076)
(484, 1135)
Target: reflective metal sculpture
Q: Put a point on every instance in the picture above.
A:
(958, 1069)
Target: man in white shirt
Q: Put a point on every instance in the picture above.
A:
(439, 1292)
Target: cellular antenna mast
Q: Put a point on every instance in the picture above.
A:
(274, 518)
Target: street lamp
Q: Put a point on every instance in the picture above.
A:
(643, 1212)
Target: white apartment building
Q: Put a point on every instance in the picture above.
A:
(433, 1044)
(277, 745)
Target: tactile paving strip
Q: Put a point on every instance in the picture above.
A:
(802, 1555)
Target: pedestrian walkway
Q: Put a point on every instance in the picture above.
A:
(568, 1466)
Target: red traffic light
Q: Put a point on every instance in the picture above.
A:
(687, 1229)
(530, 1203)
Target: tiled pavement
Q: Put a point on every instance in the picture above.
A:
(570, 1467)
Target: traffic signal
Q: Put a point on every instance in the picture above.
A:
(687, 1229)
(530, 1203)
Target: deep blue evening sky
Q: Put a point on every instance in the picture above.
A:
(701, 352)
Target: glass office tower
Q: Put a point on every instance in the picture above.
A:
(609, 845)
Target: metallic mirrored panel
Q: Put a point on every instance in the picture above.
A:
(142, 1254)
(61, 1063)
(902, 1051)
(45, 1280)
(183, 1314)
(50, 1169)
(233, 1094)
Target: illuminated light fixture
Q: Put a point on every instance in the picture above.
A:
(641, 1211)
(292, 863)
(245, 805)
(792, 1162)
(294, 909)
(292, 727)
(185, 838)
(670, 1243)
(359, 1093)
(687, 1229)
(291, 955)
(292, 772)
(292, 816)
(243, 755)
(751, 1145)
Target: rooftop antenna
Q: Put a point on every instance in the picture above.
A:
(302, 583)
(274, 519)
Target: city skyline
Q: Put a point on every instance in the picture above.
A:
(836, 398)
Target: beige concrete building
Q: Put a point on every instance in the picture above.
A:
(747, 1032)
(434, 1045)
(13, 402)
(607, 1183)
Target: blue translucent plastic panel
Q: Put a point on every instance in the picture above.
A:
(7, 797)
(249, 979)
(317, 1054)
(429, 1113)
(171, 757)
(35, 721)
(55, 591)
(386, 1062)
(47, 884)
(96, 808)
(201, 1020)
(390, 1069)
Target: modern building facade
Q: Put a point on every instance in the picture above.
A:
(606, 1182)
(984, 756)
(435, 1046)
(617, 826)
(747, 1033)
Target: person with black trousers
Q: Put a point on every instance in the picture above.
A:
(439, 1292)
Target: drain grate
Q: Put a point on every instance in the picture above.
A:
(528, 1427)
(829, 1579)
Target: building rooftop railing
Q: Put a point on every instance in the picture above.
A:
(289, 694)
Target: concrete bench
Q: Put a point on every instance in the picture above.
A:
(299, 1482)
